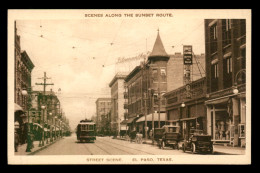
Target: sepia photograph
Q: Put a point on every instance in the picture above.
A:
(165, 86)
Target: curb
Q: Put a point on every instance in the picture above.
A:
(32, 153)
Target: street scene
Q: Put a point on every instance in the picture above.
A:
(108, 146)
(116, 83)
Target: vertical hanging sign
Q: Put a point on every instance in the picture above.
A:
(187, 55)
(187, 61)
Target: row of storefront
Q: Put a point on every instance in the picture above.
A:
(221, 115)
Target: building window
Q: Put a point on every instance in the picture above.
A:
(155, 75)
(243, 27)
(227, 72)
(226, 32)
(215, 72)
(222, 126)
(163, 74)
(213, 39)
(243, 57)
(214, 77)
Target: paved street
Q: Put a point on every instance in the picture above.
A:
(109, 146)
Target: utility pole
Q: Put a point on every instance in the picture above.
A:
(44, 83)
(44, 98)
(152, 93)
(159, 96)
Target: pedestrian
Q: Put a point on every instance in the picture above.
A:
(16, 136)
(150, 134)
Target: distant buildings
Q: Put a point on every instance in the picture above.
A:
(103, 108)
(117, 103)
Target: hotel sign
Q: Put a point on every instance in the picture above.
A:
(187, 55)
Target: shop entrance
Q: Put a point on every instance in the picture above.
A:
(220, 124)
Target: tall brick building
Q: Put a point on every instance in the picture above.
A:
(23, 67)
(226, 83)
(145, 78)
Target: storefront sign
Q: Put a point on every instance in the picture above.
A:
(172, 100)
(187, 55)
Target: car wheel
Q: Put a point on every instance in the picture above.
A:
(193, 147)
(183, 148)
(163, 144)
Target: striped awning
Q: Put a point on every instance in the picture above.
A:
(149, 117)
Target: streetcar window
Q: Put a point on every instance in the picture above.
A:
(84, 128)
(90, 127)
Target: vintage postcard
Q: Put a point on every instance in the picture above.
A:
(129, 86)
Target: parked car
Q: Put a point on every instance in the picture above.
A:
(198, 142)
(168, 135)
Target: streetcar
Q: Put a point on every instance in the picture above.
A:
(86, 131)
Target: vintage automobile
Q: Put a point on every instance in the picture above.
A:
(168, 135)
(198, 142)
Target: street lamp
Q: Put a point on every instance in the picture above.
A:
(183, 105)
(55, 128)
(51, 140)
(29, 139)
(235, 90)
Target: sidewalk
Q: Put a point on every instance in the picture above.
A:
(229, 149)
(217, 148)
(22, 148)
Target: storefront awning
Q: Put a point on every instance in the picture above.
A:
(130, 120)
(150, 117)
(36, 124)
(17, 108)
(172, 121)
(217, 101)
(124, 122)
(187, 119)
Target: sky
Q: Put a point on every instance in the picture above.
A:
(80, 55)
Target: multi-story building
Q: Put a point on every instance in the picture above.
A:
(23, 70)
(103, 107)
(175, 70)
(160, 74)
(22, 80)
(186, 112)
(51, 116)
(225, 72)
(149, 77)
(117, 102)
